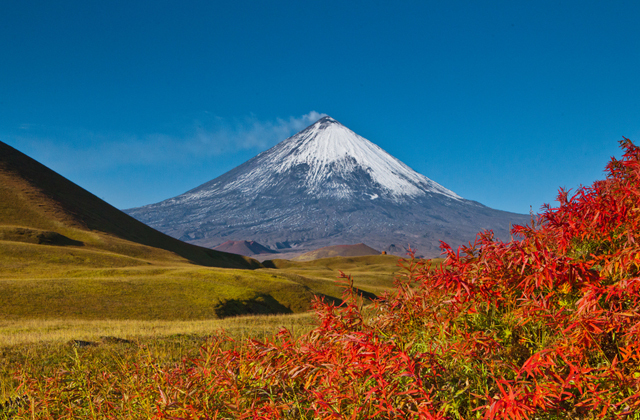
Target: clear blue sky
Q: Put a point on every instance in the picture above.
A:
(500, 101)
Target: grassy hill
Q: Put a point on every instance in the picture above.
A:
(40, 207)
(372, 273)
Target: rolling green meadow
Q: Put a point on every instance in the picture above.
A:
(120, 306)
(75, 305)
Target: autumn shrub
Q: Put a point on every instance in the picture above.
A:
(545, 326)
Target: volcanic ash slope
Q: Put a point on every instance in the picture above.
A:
(325, 186)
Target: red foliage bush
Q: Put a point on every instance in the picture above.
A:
(546, 326)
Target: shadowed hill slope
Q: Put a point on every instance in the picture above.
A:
(39, 206)
(247, 248)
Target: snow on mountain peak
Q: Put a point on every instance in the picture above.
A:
(330, 153)
(329, 147)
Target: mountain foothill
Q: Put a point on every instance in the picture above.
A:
(40, 207)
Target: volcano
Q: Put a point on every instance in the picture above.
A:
(324, 186)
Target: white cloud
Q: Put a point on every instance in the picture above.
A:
(249, 133)
(214, 136)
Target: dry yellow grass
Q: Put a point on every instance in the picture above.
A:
(37, 331)
(44, 346)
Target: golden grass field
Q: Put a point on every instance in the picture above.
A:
(68, 302)
(165, 311)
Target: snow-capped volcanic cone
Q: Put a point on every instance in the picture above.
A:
(324, 186)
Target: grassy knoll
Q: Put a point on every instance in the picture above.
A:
(53, 282)
(371, 273)
(178, 294)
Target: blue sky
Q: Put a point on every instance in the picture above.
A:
(502, 102)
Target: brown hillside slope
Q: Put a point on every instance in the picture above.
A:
(356, 250)
(39, 206)
(247, 248)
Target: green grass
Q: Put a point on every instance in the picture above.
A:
(170, 308)
(49, 282)
(170, 294)
(371, 273)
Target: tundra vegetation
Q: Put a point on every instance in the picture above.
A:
(545, 326)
